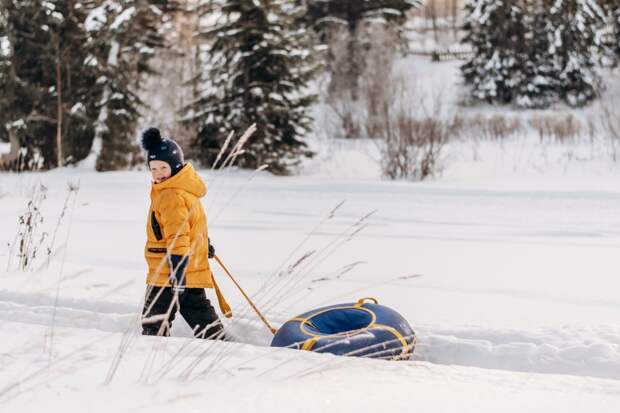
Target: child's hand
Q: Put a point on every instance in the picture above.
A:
(178, 264)
(211, 250)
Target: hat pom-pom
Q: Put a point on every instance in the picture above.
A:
(151, 138)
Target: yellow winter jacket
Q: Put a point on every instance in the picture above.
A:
(177, 225)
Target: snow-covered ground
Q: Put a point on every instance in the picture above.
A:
(506, 267)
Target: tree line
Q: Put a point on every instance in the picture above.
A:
(534, 53)
(71, 73)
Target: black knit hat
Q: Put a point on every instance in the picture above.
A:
(159, 149)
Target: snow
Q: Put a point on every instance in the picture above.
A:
(125, 16)
(5, 46)
(101, 127)
(77, 108)
(96, 19)
(505, 265)
(90, 60)
(344, 159)
(113, 53)
(17, 124)
(514, 297)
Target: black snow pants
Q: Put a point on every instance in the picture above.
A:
(193, 305)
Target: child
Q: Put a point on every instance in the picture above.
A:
(177, 247)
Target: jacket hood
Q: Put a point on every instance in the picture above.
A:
(186, 179)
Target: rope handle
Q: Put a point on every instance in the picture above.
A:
(262, 317)
(361, 301)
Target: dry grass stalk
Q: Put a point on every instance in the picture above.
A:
(610, 125)
(305, 267)
(494, 128)
(413, 146)
(27, 239)
(72, 188)
(238, 148)
(223, 150)
(557, 128)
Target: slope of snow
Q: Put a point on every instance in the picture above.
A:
(508, 276)
(505, 265)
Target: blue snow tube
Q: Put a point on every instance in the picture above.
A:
(358, 329)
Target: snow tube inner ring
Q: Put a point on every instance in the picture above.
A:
(338, 321)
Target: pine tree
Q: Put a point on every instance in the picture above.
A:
(504, 65)
(50, 91)
(616, 25)
(259, 69)
(571, 33)
(612, 41)
(8, 133)
(5, 68)
(539, 85)
(17, 100)
(126, 35)
(75, 67)
(532, 52)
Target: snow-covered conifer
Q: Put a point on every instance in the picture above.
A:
(570, 31)
(258, 71)
(532, 53)
(616, 25)
(51, 87)
(75, 69)
(612, 30)
(126, 35)
(5, 67)
(503, 68)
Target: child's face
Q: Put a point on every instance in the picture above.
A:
(160, 171)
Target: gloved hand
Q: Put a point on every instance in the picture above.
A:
(178, 264)
(211, 249)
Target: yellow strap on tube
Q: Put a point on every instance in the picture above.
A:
(224, 307)
(361, 301)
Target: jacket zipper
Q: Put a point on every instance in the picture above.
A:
(155, 226)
